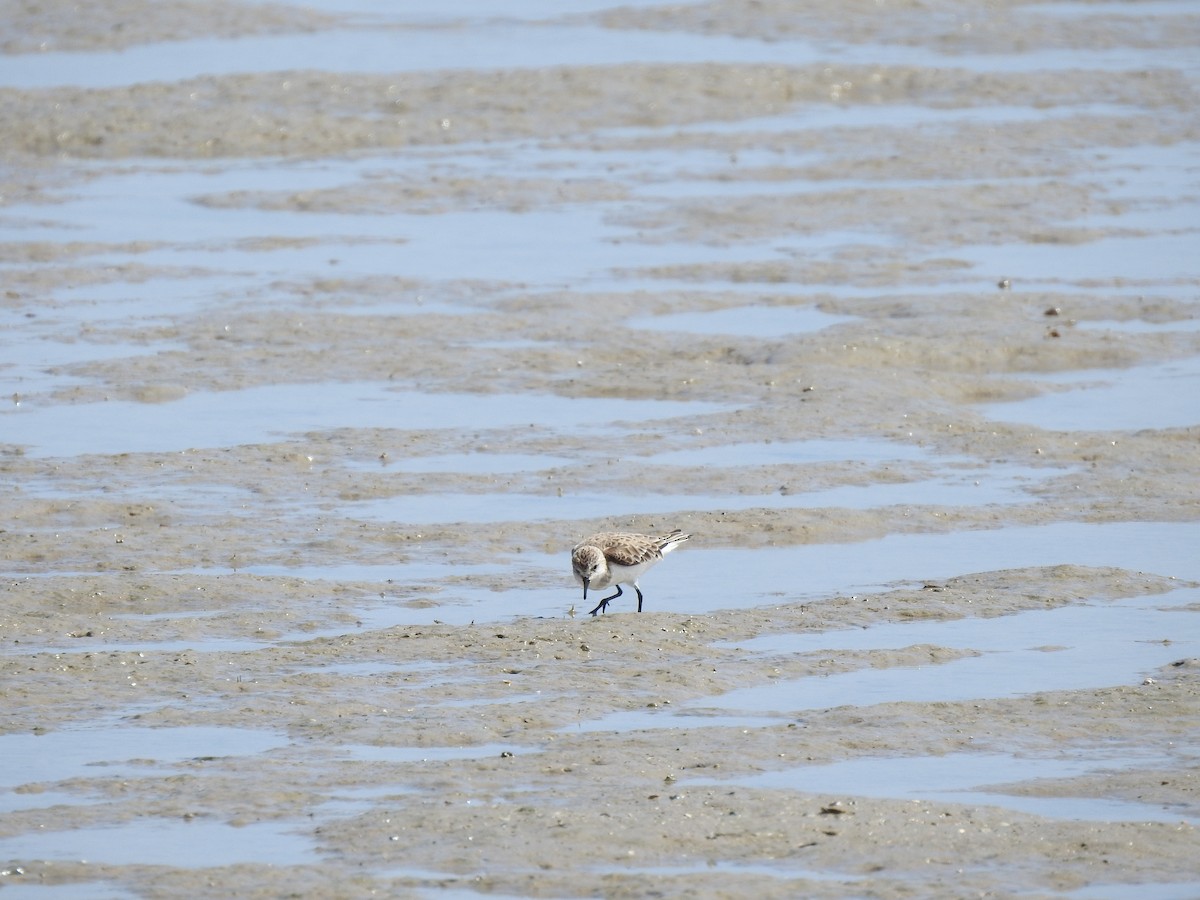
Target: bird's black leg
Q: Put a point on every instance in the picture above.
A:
(639, 590)
(603, 604)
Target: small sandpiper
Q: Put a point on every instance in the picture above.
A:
(615, 557)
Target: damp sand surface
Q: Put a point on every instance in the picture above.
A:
(326, 331)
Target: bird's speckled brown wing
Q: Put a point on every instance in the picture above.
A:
(626, 549)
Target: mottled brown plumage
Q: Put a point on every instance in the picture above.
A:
(616, 558)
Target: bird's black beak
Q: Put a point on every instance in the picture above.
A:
(585, 587)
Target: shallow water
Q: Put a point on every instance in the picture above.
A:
(792, 452)
(1183, 890)
(599, 46)
(262, 414)
(1013, 651)
(718, 866)
(1069, 648)
(994, 486)
(501, 44)
(1164, 395)
(755, 321)
(967, 778)
(90, 890)
(549, 246)
(167, 842)
(814, 571)
(1149, 257)
(121, 749)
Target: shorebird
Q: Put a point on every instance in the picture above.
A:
(617, 558)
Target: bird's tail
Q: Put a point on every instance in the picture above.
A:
(669, 542)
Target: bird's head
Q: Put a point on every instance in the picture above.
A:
(589, 564)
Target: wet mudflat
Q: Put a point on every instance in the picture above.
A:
(326, 330)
